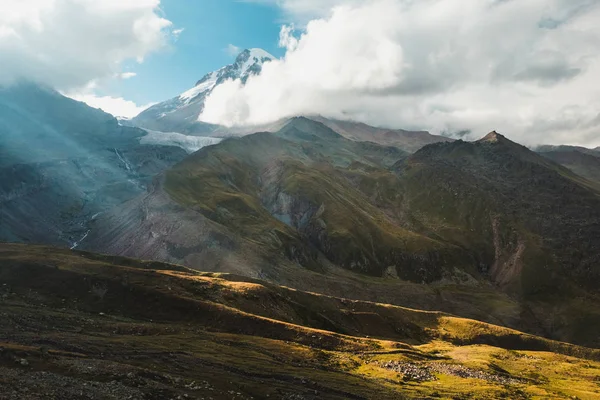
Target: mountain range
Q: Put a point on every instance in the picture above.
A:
(304, 204)
(311, 243)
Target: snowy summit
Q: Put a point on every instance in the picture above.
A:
(181, 113)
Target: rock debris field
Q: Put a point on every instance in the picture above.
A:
(425, 372)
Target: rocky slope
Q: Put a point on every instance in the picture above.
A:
(308, 208)
(180, 114)
(62, 163)
(81, 325)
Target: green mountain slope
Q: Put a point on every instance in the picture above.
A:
(499, 232)
(532, 218)
(584, 162)
(87, 325)
(289, 190)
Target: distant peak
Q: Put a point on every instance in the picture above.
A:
(253, 54)
(492, 137)
(260, 53)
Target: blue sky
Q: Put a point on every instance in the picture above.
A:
(209, 27)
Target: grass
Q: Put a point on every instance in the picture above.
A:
(168, 330)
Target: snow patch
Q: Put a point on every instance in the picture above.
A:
(257, 56)
(202, 87)
(190, 144)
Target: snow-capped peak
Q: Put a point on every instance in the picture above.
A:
(205, 84)
(249, 58)
(174, 113)
(248, 62)
(260, 54)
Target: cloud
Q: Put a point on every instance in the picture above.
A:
(117, 106)
(176, 33)
(233, 50)
(127, 75)
(527, 69)
(68, 43)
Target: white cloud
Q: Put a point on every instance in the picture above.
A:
(117, 106)
(67, 43)
(177, 32)
(233, 50)
(127, 75)
(527, 69)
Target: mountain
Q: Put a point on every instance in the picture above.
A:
(409, 141)
(82, 325)
(498, 232)
(581, 160)
(180, 114)
(531, 218)
(62, 163)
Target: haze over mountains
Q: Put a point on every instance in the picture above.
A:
(63, 163)
(488, 230)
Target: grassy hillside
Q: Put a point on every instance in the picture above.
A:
(531, 221)
(82, 325)
(487, 230)
(493, 207)
(289, 190)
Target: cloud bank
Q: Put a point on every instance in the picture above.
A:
(67, 43)
(527, 69)
(117, 106)
(73, 45)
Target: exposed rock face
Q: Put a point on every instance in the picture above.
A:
(508, 257)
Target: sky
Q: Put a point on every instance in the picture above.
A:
(214, 33)
(86, 48)
(527, 68)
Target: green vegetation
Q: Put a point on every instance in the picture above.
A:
(163, 331)
(490, 213)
